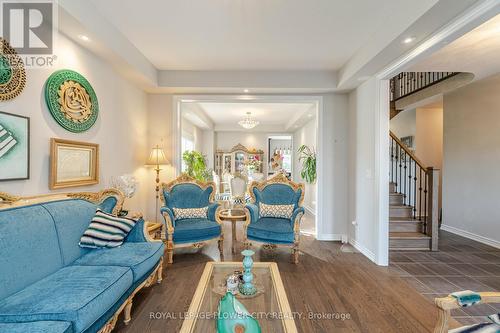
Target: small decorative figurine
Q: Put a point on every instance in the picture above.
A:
(233, 317)
(247, 288)
(232, 283)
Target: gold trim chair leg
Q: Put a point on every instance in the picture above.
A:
(127, 312)
(160, 272)
(170, 250)
(221, 246)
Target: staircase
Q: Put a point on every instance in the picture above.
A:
(414, 187)
(413, 194)
(405, 232)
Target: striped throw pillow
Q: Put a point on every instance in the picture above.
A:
(106, 230)
(278, 211)
(191, 213)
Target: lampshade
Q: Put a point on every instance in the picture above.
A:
(157, 157)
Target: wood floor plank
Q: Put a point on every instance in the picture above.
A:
(325, 283)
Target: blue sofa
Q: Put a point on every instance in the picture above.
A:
(50, 284)
(273, 231)
(187, 192)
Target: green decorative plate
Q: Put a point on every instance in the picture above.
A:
(71, 100)
(12, 72)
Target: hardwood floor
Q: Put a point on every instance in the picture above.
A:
(326, 281)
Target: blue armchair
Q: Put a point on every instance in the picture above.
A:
(181, 231)
(275, 231)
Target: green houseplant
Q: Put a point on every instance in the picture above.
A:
(308, 158)
(195, 165)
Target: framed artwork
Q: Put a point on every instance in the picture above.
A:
(408, 141)
(73, 163)
(14, 147)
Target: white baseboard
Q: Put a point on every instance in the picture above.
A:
(470, 235)
(310, 210)
(331, 237)
(367, 253)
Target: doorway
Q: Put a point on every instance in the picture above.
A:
(211, 124)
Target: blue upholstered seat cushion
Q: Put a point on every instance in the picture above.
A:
(273, 230)
(195, 230)
(37, 327)
(140, 257)
(80, 294)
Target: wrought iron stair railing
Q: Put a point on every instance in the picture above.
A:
(418, 184)
(407, 83)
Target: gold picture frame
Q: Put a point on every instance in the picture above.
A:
(73, 163)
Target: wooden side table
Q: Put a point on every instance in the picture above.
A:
(235, 216)
(154, 229)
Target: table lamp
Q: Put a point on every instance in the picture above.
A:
(157, 158)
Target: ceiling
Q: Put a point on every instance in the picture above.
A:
(272, 116)
(477, 52)
(264, 46)
(250, 35)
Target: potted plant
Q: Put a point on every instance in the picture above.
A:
(308, 158)
(196, 165)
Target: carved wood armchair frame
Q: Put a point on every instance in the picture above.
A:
(281, 179)
(167, 231)
(446, 304)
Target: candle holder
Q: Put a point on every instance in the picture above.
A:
(247, 288)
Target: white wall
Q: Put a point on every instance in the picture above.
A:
(332, 157)
(429, 141)
(471, 156)
(405, 124)
(160, 132)
(361, 167)
(368, 176)
(121, 129)
(306, 135)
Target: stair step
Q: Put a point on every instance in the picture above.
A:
(409, 241)
(400, 211)
(396, 199)
(404, 224)
(392, 187)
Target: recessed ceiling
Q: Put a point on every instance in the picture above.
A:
(239, 34)
(477, 52)
(272, 116)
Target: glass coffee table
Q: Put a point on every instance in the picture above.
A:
(270, 306)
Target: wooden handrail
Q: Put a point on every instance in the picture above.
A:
(408, 151)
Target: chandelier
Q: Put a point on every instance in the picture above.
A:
(248, 122)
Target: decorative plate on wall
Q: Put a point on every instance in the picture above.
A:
(71, 100)
(12, 73)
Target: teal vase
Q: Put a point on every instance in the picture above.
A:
(247, 288)
(234, 318)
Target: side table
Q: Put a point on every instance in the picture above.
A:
(234, 216)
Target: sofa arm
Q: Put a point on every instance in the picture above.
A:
(212, 209)
(137, 234)
(253, 211)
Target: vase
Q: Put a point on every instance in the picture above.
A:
(247, 288)
(233, 317)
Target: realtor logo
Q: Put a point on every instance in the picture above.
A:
(29, 27)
